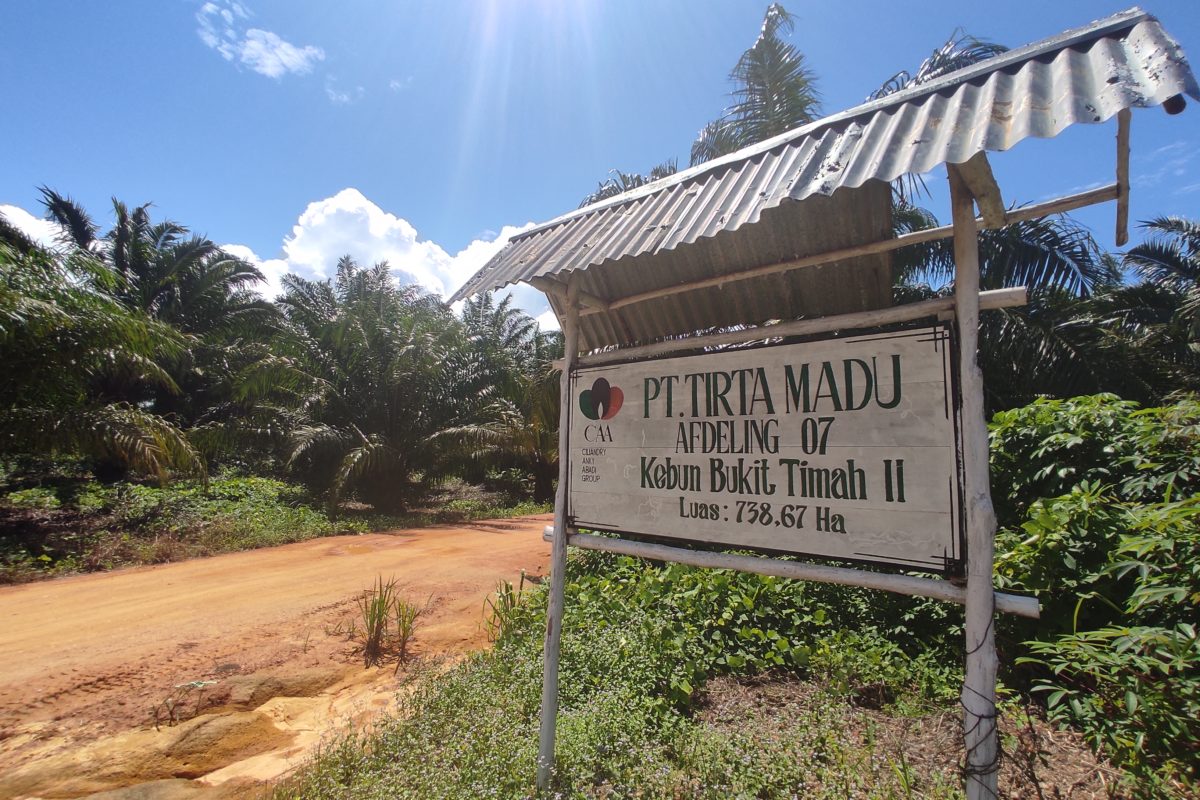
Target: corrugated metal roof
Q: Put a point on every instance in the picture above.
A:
(685, 227)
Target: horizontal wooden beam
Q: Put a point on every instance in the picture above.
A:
(1057, 206)
(996, 298)
(901, 584)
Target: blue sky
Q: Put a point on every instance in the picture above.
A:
(419, 131)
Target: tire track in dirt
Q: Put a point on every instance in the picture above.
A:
(92, 655)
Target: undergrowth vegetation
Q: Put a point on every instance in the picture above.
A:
(1099, 519)
(639, 643)
(72, 525)
(68, 522)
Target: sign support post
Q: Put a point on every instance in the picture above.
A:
(558, 557)
(979, 685)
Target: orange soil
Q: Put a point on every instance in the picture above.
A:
(93, 655)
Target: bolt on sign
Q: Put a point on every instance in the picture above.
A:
(843, 448)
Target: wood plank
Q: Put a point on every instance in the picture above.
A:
(1123, 117)
(552, 286)
(977, 173)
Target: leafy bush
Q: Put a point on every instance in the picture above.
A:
(1113, 552)
(1044, 449)
(101, 526)
(723, 621)
(36, 498)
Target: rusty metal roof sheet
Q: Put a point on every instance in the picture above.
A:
(690, 225)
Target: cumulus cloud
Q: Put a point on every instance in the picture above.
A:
(42, 231)
(273, 269)
(222, 27)
(350, 224)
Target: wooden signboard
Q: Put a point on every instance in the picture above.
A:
(844, 448)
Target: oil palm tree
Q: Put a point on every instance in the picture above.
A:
(184, 281)
(518, 425)
(620, 182)
(63, 335)
(1162, 314)
(1052, 346)
(1169, 260)
(504, 339)
(369, 372)
(774, 92)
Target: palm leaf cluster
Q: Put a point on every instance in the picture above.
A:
(775, 92)
(65, 341)
(121, 342)
(518, 426)
(377, 383)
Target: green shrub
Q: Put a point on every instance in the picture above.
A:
(1113, 553)
(724, 621)
(1045, 449)
(110, 525)
(37, 498)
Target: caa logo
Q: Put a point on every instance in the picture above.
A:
(601, 401)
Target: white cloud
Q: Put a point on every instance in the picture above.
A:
(273, 269)
(547, 320)
(400, 84)
(349, 224)
(342, 97)
(1170, 164)
(42, 231)
(260, 50)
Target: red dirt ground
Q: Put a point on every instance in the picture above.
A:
(86, 657)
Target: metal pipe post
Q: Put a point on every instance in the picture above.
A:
(558, 559)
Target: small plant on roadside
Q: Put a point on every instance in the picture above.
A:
(375, 611)
(406, 614)
(388, 622)
(500, 610)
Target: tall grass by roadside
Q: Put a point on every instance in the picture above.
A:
(389, 622)
(500, 609)
(375, 608)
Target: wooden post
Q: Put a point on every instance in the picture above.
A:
(558, 558)
(1123, 117)
(979, 684)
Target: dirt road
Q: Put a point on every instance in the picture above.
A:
(86, 657)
